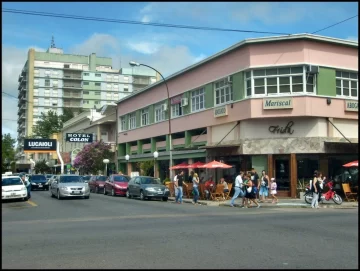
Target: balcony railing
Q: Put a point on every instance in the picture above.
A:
(72, 95)
(72, 86)
(72, 105)
(72, 77)
(141, 81)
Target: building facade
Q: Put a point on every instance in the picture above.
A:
(53, 81)
(287, 105)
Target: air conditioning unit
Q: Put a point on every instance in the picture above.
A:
(229, 80)
(184, 101)
(312, 69)
(164, 107)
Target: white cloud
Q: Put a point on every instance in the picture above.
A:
(146, 19)
(199, 58)
(144, 47)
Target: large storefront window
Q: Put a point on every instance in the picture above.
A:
(282, 172)
(306, 167)
(277, 81)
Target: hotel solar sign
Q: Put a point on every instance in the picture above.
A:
(277, 103)
(83, 138)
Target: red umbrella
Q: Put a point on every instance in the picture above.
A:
(215, 164)
(179, 166)
(352, 164)
(196, 165)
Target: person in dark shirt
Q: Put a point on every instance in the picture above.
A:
(179, 186)
(255, 182)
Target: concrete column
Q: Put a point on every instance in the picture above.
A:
(128, 168)
(139, 147)
(293, 175)
(270, 162)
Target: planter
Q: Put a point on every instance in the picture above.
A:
(302, 195)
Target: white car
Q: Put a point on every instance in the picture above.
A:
(13, 188)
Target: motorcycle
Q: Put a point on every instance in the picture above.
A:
(329, 195)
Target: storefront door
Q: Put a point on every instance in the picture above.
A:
(281, 171)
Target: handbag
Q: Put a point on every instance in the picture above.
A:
(249, 189)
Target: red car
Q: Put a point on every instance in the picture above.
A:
(116, 185)
(97, 182)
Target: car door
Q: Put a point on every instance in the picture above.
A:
(136, 188)
(55, 185)
(91, 183)
(108, 184)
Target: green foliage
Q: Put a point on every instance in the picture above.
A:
(41, 167)
(147, 168)
(7, 151)
(48, 124)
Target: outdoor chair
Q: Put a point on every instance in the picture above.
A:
(227, 194)
(349, 195)
(219, 193)
(202, 191)
(172, 190)
(187, 190)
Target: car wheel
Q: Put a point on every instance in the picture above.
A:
(25, 199)
(86, 197)
(165, 199)
(58, 195)
(105, 191)
(97, 190)
(128, 194)
(142, 197)
(113, 192)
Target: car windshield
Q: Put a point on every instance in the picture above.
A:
(122, 179)
(11, 181)
(71, 179)
(38, 178)
(102, 178)
(48, 176)
(86, 178)
(16, 174)
(149, 180)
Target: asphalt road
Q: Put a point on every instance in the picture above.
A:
(107, 232)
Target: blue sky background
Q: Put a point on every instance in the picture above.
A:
(167, 49)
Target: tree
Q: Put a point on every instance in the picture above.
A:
(147, 168)
(48, 124)
(91, 157)
(7, 151)
(41, 167)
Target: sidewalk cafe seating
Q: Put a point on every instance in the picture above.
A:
(227, 194)
(187, 190)
(219, 193)
(349, 195)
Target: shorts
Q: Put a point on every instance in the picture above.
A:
(273, 192)
(263, 191)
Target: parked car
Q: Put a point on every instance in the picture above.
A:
(48, 176)
(86, 178)
(39, 181)
(147, 187)
(116, 185)
(13, 188)
(97, 183)
(69, 186)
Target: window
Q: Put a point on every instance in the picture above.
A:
(36, 82)
(36, 101)
(286, 80)
(115, 96)
(159, 113)
(36, 72)
(97, 102)
(347, 84)
(223, 92)
(85, 83)
(126, 79)
(97, 74)
(55, 82)
(47, 73)
(132, 121)
(97, 92)
(47, 92)
(108, 86)
(54, 93)
(86, 92)
(144, 117)
(46, 102)
(176, 110)
(197, 100)
(54, 102)
(36, 111)
(98, 84)
(123, 123)
(55, 73)
(108, 96)
(152, 80)
(67, 66)
(116, 77)
(108, 77)
(47, 82)
(36, 92)
(85, 101)
(116, 86)
(86, 74)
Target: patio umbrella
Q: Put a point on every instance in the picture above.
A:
(215, 164)
(352, 164)
(179, 166)
(196, 165)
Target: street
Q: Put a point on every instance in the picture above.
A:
(115, 232)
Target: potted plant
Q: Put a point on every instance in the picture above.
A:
(301, 186)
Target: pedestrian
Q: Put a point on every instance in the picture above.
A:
(238, 188)
(255, 182)
(263, 186)
(316, 190)
(191, 176)
(196, 182)
(244, 203)
(209, 187)
(178, 184)
(174, 181)
(321, 185)
(273, 187)
(27, 185)
(250, 193)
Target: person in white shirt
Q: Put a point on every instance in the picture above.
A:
(238, 188)
(174, 185)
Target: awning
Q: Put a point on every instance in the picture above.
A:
(341, 147)
(221, 146)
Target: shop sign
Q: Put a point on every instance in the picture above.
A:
(86, 138)
(277, 129)
(351, 106)
(176, 99)
(277, 103)
(42, 145)
(220, 111)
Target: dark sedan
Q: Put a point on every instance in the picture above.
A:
(146, 187)
(39, 182)
(116, 185)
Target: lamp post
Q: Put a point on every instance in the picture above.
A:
(127, 157)
(156, 155)
(106, 161)
(133, 63)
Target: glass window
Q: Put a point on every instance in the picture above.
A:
(86, 74)
(144, 117)
(98, 84)
(97, 92)
(132, 121)
(347, 84)
(123, 123)
(97, 74)
(197, 100)
(159, 113)
(223, 92)
(85, 83)
(47, 82)
(176, 110)
(86, 92)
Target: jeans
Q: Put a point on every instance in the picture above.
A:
(237, 192)
(179, 194)
(29, 191)
(196, 193)
(315, 202)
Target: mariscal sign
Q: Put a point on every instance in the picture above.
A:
(277, 103)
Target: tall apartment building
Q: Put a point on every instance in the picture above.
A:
(53, 80)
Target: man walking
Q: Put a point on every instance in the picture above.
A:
(238, 188)
(178, 185)
(28, 186)
(255, 180)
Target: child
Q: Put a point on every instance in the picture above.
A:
(273, 187)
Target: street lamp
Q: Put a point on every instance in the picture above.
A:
(127, 157)
(106, 161)
(156, 155)
(133, 63)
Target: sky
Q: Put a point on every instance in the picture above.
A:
(166, 49)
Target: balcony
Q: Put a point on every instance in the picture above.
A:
(23, 80)
(72, 77)
(76, 105)
(72, 86)
(23, 72)
(20, 78)
(72, 95)
(23, 107)
(141, 81)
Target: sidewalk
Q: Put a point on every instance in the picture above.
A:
(283, 203)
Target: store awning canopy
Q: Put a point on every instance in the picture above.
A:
(341, 147)
(196, 165)
(220, 146)
(352, 164)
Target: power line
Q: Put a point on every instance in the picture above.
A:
(335, 24)
(98, 19)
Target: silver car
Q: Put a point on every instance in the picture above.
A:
(69, 186)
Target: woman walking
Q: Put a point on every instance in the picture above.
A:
(263, 189)
(196, 182)
(316, 190)
(273, 187)
(250, 193)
